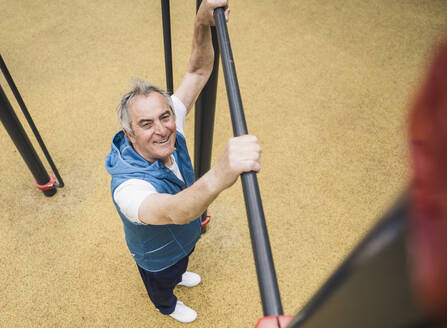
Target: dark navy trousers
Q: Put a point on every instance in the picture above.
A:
(160, 285)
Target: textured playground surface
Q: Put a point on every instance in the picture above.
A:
(325, 87)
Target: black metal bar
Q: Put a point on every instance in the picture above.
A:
(166, 17)
(373, 286)
(268, 283)
(204, 117)
(22, 142)
(30, 121)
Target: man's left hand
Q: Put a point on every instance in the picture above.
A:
(205, 15)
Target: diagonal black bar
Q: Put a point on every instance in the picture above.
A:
(373, 286)
(22, 142)
(166, 17)
(268, 284)
(204, 117)
(30, 121)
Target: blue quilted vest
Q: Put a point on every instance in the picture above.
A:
(154, 247)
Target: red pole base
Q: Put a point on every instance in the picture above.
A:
(49, 188)
(49, 185)
(273, 322)
(206, 221)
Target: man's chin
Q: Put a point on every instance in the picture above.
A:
(165, 154)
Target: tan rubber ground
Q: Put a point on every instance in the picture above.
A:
(325, 87)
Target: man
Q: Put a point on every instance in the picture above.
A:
(153, 184)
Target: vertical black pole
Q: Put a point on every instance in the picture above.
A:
(22, 142)
(268, 283)
(204, 117)
(166, 17)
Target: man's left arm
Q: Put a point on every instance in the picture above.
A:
(202, 54)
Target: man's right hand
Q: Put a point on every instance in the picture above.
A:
(242, 154)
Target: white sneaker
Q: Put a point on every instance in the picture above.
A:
(183, 313)
(189, 279)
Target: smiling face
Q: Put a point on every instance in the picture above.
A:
(153, 124)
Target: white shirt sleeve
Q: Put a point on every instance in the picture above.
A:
(130, 194)
(180, 113)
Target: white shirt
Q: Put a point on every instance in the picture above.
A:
(131, 193)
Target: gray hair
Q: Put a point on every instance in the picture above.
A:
(139, 88)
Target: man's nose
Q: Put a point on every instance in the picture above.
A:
(160, 128)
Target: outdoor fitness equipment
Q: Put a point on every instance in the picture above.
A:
(205, 109)
(43, 181)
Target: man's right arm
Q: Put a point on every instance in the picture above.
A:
(242, 154)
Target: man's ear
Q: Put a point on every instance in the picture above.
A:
(131, 138)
